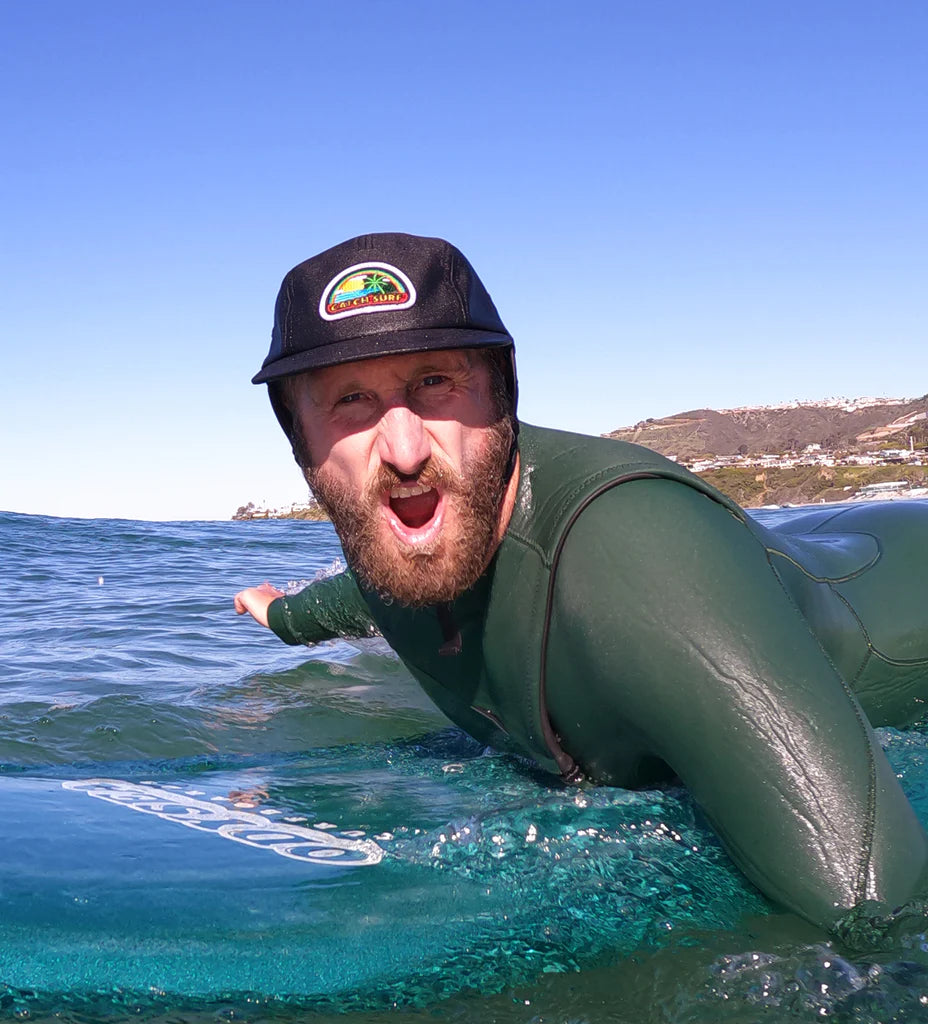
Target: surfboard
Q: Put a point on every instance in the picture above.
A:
(367, 876)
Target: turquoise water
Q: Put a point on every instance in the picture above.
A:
(202, 824)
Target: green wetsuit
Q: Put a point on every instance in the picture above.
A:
(635, 624)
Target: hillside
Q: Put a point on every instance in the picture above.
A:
(810, 484)
(853, 426)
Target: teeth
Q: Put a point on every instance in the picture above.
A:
(409, 491)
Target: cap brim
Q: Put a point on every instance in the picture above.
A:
(373, 346)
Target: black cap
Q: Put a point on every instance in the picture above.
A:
(379, 295)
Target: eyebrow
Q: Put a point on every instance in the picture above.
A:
(428, 365)
(461, 361)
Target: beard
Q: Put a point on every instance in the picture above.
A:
(451, 562)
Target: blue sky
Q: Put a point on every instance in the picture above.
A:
(674, 203)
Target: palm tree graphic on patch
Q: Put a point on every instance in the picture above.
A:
(380, 284)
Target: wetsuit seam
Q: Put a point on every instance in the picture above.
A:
(871, 647)
(901, 662)
(870, 831)
(830, 519)
(830, 579)
(492, 717)
(866, 846)
(527, 542)
(863, 629)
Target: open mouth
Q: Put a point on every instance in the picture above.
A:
(414, 505)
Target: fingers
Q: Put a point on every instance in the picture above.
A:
(255, 601)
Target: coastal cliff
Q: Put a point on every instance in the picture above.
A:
(310, 509)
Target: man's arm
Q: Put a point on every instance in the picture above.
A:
(668, 617)
(324, 610)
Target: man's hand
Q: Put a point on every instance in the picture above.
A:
(255, 600)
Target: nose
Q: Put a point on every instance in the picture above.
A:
(402, 441)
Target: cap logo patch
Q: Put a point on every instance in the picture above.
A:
(366, 288)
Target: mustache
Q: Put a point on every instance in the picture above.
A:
(435, 472)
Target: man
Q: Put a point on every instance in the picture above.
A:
(589, 603)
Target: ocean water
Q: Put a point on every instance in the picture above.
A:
(202, 824)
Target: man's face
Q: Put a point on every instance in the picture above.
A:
(408, 457)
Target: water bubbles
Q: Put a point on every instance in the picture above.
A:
(335, 568)
(812, 982)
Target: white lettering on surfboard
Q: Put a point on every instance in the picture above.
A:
(288, 840)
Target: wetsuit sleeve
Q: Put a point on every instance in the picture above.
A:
(668, 614)
(324, 610)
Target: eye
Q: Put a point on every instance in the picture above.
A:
(433, 380)
(350, 399)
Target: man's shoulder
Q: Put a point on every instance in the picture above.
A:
(562, 451)
(561, 472)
